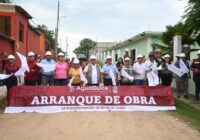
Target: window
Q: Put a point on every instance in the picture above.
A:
(21, 32)
(133, 54)
(5, 25)
(116, 57)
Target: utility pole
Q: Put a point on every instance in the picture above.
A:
(57, 27)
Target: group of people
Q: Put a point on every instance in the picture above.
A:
(124, 72)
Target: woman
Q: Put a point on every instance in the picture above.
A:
(119, 65)
(10, 69)
(61, 71)
(166, 74)
(31, 77)
(74, 73)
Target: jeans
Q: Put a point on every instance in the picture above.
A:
(30, 82)
(45, 80)
(10, 82)
(197, 88)
(107, 82)
(139, 82)
(61, 82)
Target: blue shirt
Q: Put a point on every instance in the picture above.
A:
(45, 61)
(106, 68)
(177, 64)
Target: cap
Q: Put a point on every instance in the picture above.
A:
(127, 59)
(31, 54)
(182, 55)
(126, 50)
(108, 57)
(166, 56)
(61, 54)
(76, 61)
(198, 52)
(93, 57)
(139, 56)
(151, 54)
(178, 55)
(48, 53)
(11, 57)
(158, 50)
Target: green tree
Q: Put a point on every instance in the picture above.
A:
(49, 35)
(178, 29)
(85, 46)
(192, 18)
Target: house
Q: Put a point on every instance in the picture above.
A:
(17, 34)
(139, 44)
(101, 46)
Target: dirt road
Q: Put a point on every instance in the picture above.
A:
(95, 126)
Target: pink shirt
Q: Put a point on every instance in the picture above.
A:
(61, 70)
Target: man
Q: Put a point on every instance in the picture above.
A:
(47, 77)
(195, 67)
(182, 82)
(109, 72)
(129, 70)
(126, 54)
(139, 71)
(93, 72)
(31, 77)
(151, 70)
(158, 57)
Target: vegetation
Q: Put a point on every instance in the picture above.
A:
(85, 46)
(188, 113)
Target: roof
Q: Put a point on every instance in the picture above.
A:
(138, 37)
(24, 12)
(16, 7)
(6, 37)
(34, 29)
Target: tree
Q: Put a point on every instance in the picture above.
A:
(178, 29)
(49, 34)
(192, 18)
(85, 46)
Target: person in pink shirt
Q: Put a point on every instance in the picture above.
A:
(60, 74)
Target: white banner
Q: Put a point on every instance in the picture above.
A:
(47, 67)
(175, 70)
(4, 76)
(153, 78)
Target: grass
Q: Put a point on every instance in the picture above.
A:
(187, 113)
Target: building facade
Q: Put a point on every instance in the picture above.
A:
(19, 34)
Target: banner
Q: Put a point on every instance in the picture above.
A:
(52, 99)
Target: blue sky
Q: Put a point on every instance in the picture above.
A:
(104, 20)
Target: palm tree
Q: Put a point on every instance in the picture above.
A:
(192, 18)
(178, 29)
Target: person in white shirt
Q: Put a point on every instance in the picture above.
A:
(93, 72)
(139, 71)
(152, 70)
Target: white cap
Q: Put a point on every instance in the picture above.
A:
(76, 61)
(126, 50)
(11, 57)
(182, 55)
(166, 56)
(139, 56)
(108, 57)
(198, 52)
(93, 57)
(127, 59)
(48, 53)
(178, 55)
(31, 54)
(61, 54)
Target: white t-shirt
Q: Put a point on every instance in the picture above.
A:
(139, 68)
(151, 66)
(94, 73)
